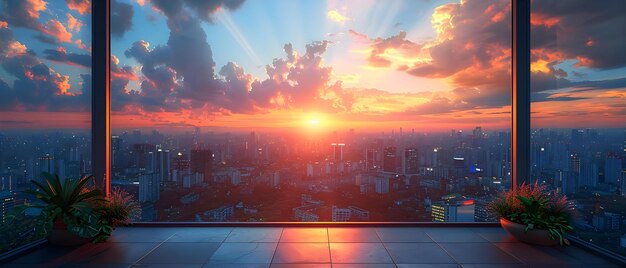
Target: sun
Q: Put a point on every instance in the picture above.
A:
(313, 122)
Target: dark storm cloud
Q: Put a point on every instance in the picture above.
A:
(539, 97)
(60, 55)
(203, 9)
(22, 13)
(46, 39)
(121, 18)
(582, 29)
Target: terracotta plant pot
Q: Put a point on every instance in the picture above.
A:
(536, 237)
(60, 236)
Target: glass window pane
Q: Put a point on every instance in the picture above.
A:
(311, 110)
(45, 103)
(579, 112)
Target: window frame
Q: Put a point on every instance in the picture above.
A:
(520, 96)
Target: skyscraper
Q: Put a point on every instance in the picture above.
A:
(390, 160)
(139, 155)
(613, 169)
(201, 162)
(453, 211)
(338, 151)
(163, 165)
(410, 164)
(46, 164)
(149, 187)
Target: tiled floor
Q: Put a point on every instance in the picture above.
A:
(310, 247)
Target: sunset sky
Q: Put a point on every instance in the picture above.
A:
(312, 65)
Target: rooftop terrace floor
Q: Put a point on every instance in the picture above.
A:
(225, 247)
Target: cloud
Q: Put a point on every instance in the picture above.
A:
(334, 15)
(36, 87)
(46, 39)
(358, 36)
(181, 76)
(73, 24)
(394, 49)
(471, 51)
(574, 23)
(121, 18)
(60, 55)
(23, 13)
(202, 9)
(56, 29)
(9, 47)
(79, 43)
(141, 2)
(81, 6)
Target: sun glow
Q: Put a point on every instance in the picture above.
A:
(315, 121)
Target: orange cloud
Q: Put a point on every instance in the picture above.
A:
(63, 84)
(543, 60)
(73, 24)
(15, 48)
(141, 2)
(81, 6)
(56, 29)
(3, 24)
(33, 7)
(583, 62)
(538, 19)
(79, 43)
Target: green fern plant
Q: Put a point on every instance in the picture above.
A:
(71, 202)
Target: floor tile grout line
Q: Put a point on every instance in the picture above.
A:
(230, 232)
(152, 250)
(444, 250)
(385, 247)
(282, 230)
(330, 256)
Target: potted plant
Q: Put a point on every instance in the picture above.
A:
(119, 208)
(68, 215)
(534, 215)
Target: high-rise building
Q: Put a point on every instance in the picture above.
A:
(201, 162)
(410, 164)
(613, 169)
(7, 181)
(382, 185)
(390, 160)
(139, 155)
(370, 158)
(149, 187)
(181, 162)
(163, 165)
(7, 199)
(453, 211)
(116, 143)
(338, 151)
(46, 164)
(574, 163)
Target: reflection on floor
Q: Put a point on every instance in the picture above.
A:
(310, 247)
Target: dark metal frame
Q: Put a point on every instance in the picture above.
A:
(100, 96)
(520, 106)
